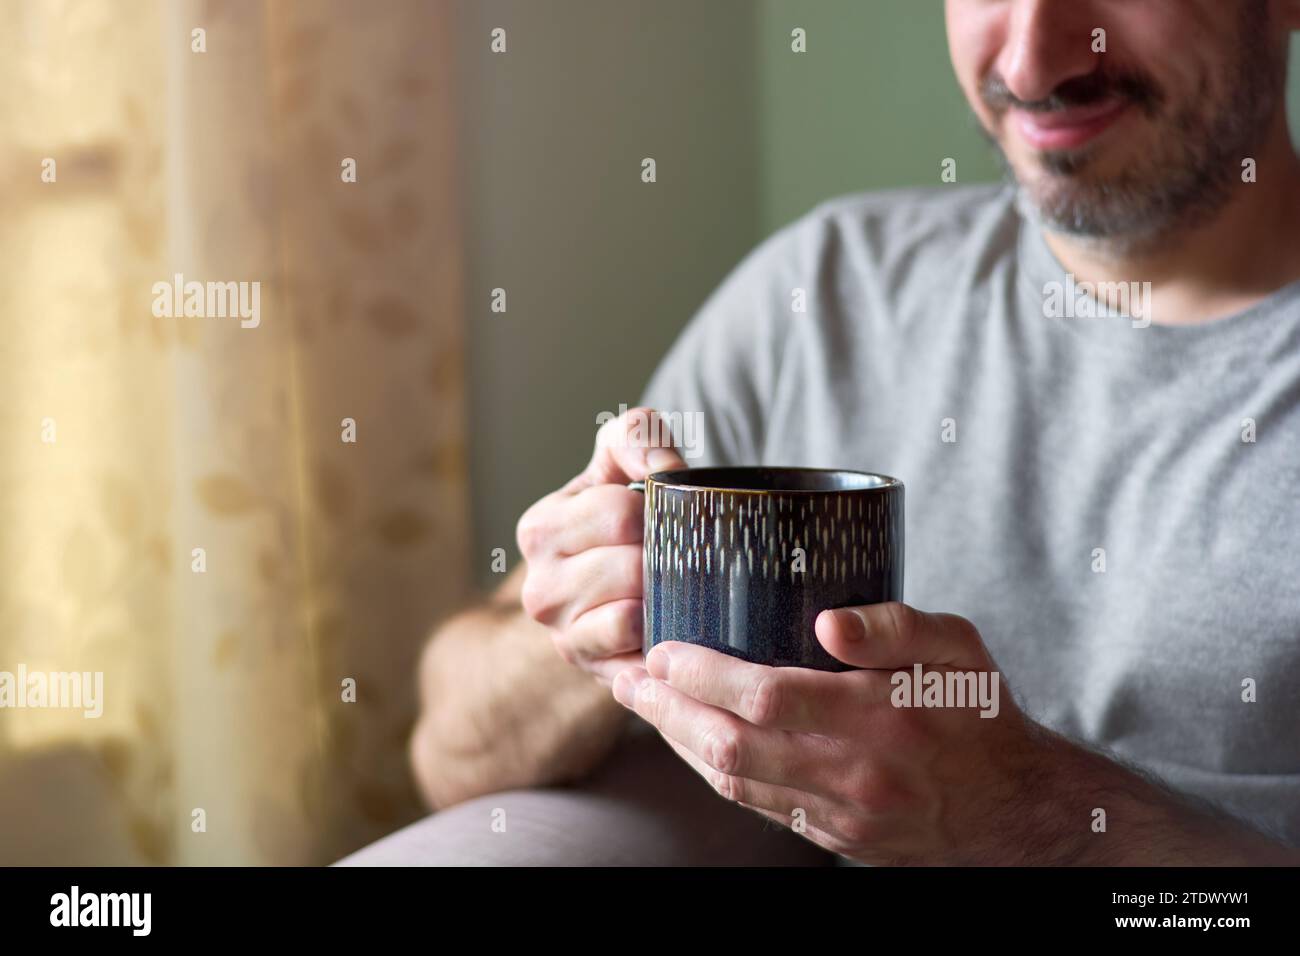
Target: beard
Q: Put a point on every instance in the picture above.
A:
(1192, 166)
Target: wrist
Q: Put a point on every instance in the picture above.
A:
(1094, 811)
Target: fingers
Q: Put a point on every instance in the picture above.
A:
(600, 575)
(783, 698)
(582, 545)
(799, 823)
(784, 805)
(558, 592)
(607, 669)
(896, 635)
(599, 516)
(628, 448)
(597, 507)
(610, 629)
(747, 756)
(750, 793)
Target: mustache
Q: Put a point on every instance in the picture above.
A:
(1130, 86)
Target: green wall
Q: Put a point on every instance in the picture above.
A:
(872, 104)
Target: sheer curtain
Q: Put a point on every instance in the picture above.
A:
(246, 523)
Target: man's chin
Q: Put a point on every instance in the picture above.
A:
(1085, 165)
(1072, 210)
(1110, 226)
(1073, 193)
(1086, 193)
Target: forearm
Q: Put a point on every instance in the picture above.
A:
(501, 709)
(1146, 824)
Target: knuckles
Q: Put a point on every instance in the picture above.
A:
(627, 569)
(903, 620)
(627, 517)
(531, 532)
(727, 787)
(877, 794)
(722, 748)
(906, 623)
(563, 647)
(963, 630)
(630, 621)
(539, 600)
(764, 702)
(859, 832)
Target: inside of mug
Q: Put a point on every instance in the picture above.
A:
(773, 479)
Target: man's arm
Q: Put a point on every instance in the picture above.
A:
(1149, 824)
(870, 774)
(514, 693)
(499, 708)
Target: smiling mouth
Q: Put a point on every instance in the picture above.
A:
(1069, 128)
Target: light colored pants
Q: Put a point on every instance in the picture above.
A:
(642, 807)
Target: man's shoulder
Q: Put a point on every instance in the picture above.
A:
(902, 237)
(912, 215)
(895, 242)
(872, 231)
(937, 201)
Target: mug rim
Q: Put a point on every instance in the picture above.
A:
(885, 482)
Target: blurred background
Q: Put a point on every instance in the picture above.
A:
(181, 509)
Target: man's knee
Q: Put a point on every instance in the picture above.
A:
(543, 827)
(643, 807)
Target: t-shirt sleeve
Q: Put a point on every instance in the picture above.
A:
(715, 385)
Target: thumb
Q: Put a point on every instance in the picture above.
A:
(892, 635)
(630, 447)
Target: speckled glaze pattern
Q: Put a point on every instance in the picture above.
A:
(721, 566)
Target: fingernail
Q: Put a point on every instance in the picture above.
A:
(658, 660)
(851, 625)
(623, 690)
(662, 459)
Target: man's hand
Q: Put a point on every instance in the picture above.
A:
(584, 552)
(837, 757)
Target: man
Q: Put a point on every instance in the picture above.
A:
(1101, 499)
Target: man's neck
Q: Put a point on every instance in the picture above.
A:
(1220, 267)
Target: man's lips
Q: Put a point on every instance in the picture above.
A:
(1069, 128)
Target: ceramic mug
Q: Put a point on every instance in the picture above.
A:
(744, 559)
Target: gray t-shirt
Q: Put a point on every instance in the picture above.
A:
(925, 319)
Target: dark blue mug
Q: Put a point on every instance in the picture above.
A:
(744, 559)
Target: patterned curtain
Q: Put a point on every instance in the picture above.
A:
(245, 522)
